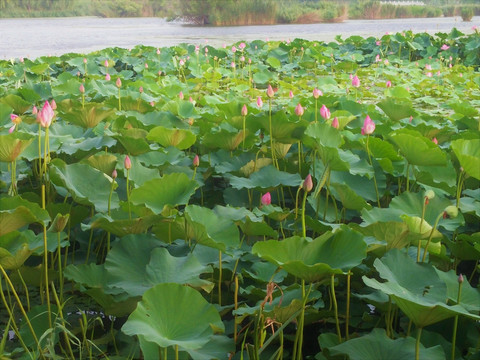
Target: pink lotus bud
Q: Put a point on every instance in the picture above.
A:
(34, 110)
(410, 119)
(46, 115)
(106, 63)
(180, 95)
(107, 77)
(140, 89)
(299, 110)
(12, 129)
(84, 60)
(259, 102)
(377, 58)
(335, 123)
(82, 89)
(114, 174)
(266, 199)
(196, 161)
(460, 278)
(159, 72)
(53, 104)
(242, 58)
(308, 183)
(146, 66)
(445, 47)
(435, 141)
(21, 59)
(368, 126)
(127, 162)
(429, 74)
(450, 65)
(232, 64)
(290, 94)
(438, 73)
(234, 49)
(270, 92)
(181, 62)
(244, 110)
(428, 67)
(190, 99)
(386, 62)
(324, 112)
(355, 81)
(158, 51)
(378, 42)
(206, 50)
(118, 82)
(249, 61)
(388, 84)
(242, 45)
(152, 103)
(224, 45)
(317, 93)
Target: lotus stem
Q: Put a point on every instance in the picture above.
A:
(417, 344)
(421, 223)
(271, 132)
(119, 100)
(128, 196)
(461, 179)
(220, 277)
(45, 260)
(431, 235)
(347, 315)
(455, 322)
(176, 352)
(407, 176)
(60, 268)
(45, 153)
(304, 202)
(335, 307)
(316, 110)
(374, 178)
(235, 299)
(60, 313)
(25, 287)
(244, 129)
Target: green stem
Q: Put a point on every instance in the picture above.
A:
(119, 101)
(271, 132)
(421, 224)
(128, 196)
(220, 278)
(304, 202)
(407, 177)
(431, 235)
(417, 344)
(335, 307)
(244, 126)
(45, 261)
(347, 315)
(374, 178)
(60, 267)
(455, 323)
(461, 179)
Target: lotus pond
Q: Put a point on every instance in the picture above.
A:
(265, 200)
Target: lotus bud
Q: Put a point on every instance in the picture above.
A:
(317, 93)
(84, 60)
(452, 211)
(460, 278)
(118, 82)
(127, 163)
(429, 194)
(106, 63)
(270, 92)
(242, 58)
(232, 64)
(146, 66)
(355, 81)
(107, 77)
(308, 183)
(435, 141)
(244, 110)
(299, 110)
(242, 46)
(152, 103)
(259, 102)
(290, 94)
(140, 89)
(234, 49)
(12, 129)
(324, 112)
(377, 58)
(388, 84)
(368, 126)
(335, 123)
(34, 110)
(266, 199)
(196, 161)
(45, 115)
(53, 104)
(82, 89)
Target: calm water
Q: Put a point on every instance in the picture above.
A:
(43, 36)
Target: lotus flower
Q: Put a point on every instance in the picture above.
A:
(106, 63)
(82, 89)
(445, 47)
(355, 81)
(270, 92)
(107, 77)
(266, 199)
(234, 49)
(308, 183)
(34, 110)
(335, 123)
(242, 58)
(324, 112)
(317, 93)
(428, 67)
(244, 110)
(377, 58)
(242, 46)
(299, 110)
(53, 104)
(127, 163)
(118, 82)
(388, 84)
(368, 126)
(232, 64)
(158, 51)
(140, 89)
(114, 174)
(180, 95)
(290, 94)
(435, 141)
(196, 161)
(46, 115)
(84, 60)
(259, 102)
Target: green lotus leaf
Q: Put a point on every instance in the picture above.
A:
(416, 288)
(87, 185)
(315, 260)
(87, 117)
(266, 177)
(172, 190)
(210, 229)
(140, 174)
(378, 346)
(104, 162)
(395, 234)
(223, 139)
(349, 198)
(38, 317)
(14, 250)
(179, 138)
(397, 108)
(16, 212)
(122, 227)
(322, 134)
(286, 129)
(173, 314)
(133, 140)
(18, 105)
(12, 145)
(417, 149)
(468, 153)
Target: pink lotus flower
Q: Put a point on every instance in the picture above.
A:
(266, 199)
(45, 115)
(140, 89)
(368, 126)
(181, 62)
(428, 67)
(232, 65)
(84, 60)
(146, 66)
(82, 89)
(107, 77)
(15, 119)
(242, 46)
(224, 45)
(259, 102)
(114, 174)
(34, 110)
(242, 58)
(106, 63)
(386, 62)
(445, 47)
(244, 110)
(127, 163)
(270, 92)
(378, 42)
(435, 141)
(377, 58)
(429, 74)
(152, 103)
(355, 81)
(234, 49)
(180, 95)
(206, 50)
(317, 93)
(335, 123)
(299, 110)
(196, 161)
(12, 129)
(388, 84)
(308, 183)
(290, 94)
(324, 112)
(118, 82)
(190, 99)
(53, 104)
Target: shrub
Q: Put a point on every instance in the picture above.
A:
(449, 11)
(466, 13)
